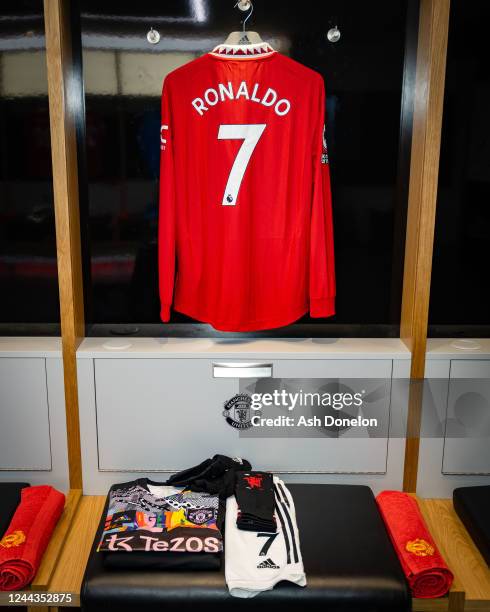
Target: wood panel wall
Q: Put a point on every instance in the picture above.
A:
(424, 173)
(65, 186)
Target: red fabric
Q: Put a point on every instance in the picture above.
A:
(24, 542)
(252, 249)
(426, 571)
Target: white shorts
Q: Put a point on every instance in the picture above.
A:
(256, 561)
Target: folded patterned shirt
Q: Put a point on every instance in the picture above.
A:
(148, 516)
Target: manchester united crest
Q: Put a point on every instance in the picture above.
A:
(15, 538)
(420, 548)
(238, 411)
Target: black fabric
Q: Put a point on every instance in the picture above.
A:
(9, 500)
(472, 505)
(349, 561)
(216, 476)
(170, 562)
(254, 492)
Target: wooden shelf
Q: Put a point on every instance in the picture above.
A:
(472, 575)
(68, 575)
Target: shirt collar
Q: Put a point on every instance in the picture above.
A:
(243, 51)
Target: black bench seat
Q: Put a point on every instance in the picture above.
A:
(472, 505)
(349, 561)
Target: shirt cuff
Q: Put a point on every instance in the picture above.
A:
(165, 313)
(322, 307)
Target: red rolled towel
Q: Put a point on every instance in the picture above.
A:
(24, 542)
(426, 571)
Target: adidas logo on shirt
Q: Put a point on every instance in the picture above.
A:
(267, 564)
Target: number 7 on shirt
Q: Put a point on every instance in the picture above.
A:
(250, 134)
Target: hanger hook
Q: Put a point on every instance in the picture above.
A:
(242, 5)
(248, 16)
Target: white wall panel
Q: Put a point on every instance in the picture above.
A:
(467, 433)
(32, 412)
(24, 415)
(453, 452)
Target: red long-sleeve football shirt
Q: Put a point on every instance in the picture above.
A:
(245, 225)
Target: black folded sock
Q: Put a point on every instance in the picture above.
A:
(254, 493)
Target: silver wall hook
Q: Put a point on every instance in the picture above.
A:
(243, 5)
(333, 34)
(153, 37)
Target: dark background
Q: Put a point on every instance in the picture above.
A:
(460, 293)
(364, 80)
(28, 273)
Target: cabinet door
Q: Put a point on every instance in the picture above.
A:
(467, 434)
(349, 450)
(333, 368)
(160, 414)
(167, 414)
(24, 415)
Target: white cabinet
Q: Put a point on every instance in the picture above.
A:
(32, 412)
(455, 442)
(160, 414)
(24, 415)
(166, 414)
(332, 368)
(157, 407)
(467, 432)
